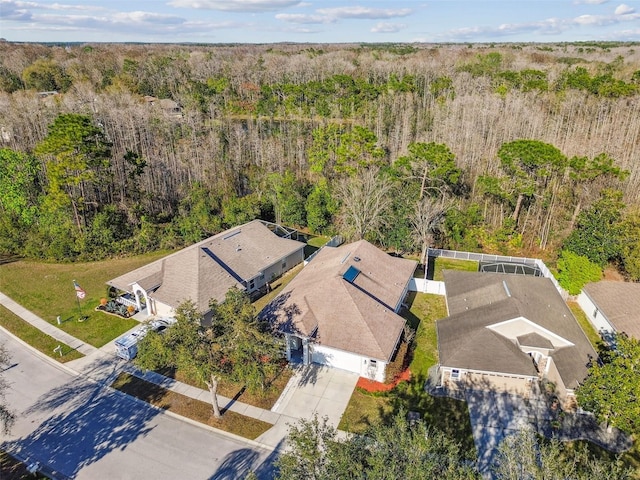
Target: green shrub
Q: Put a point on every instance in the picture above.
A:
(574, 271)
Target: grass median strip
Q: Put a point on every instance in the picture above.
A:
(197, 410)
(261, 399)
(36, 338)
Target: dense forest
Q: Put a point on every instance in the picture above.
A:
(112, 149)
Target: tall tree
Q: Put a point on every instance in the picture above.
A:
(428, 214)
(398, 450)
(630, 244)
(530, 166)
(337, 151)
(611, 390)
(288, 198)
(598, 233)
(523, 455)
(78, 155)
(320, 207)
(433, 165)
(589, 176)
(198, 214)
(19, 189)
(46, 75)
(364, 202)
(235, 347)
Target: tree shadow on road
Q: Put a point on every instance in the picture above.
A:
(82, 422)
(239, 463)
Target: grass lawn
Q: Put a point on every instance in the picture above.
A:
(36, 338)
(276, 287)
(584, 322)
(264, 399)
(422, 315)
(47, 290)
(318, 241)
(188, 407)
(451, 416)
(452, 264)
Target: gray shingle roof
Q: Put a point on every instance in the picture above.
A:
(354, 314)
(477, 301)
(619, 302)
(207, 269)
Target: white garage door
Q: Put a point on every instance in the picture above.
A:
(337, 359)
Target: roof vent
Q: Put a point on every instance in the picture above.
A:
(232, 234)
(506, 289)
(238, 248)
(356, 259)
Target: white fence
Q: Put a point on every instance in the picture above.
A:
(485, 257)
(427, 286)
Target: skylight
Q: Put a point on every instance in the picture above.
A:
(351, 274)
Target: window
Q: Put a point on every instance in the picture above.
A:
(373, 363)
(252, 285)
(284, 264)
(595, 313)
(455, 374)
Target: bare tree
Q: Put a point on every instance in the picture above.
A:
(364, 202)
(427, 215)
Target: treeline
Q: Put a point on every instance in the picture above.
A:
(111, 149)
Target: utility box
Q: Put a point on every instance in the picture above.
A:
(127, 346)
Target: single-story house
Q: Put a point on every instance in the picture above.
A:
(341, 310)
(506, 332)
(246, 257)
(612, 307)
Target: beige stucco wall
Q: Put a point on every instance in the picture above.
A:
(487, 381)
(277, 269)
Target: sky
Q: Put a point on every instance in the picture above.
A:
(319, 21)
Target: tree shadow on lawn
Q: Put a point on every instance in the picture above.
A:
(83, 422)
(446, 414)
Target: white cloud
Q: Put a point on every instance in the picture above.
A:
(364, 12)
(235, 5)
(385, 27)
(594, 20)
(146, 17)
(304, 18)
(624, 9)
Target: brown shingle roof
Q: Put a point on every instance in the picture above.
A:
(619, 302)
(207, 269)
(352, 315)
(477, 301)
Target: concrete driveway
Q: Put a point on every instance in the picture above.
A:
(317, 389)
(494, 415)
(312, 389)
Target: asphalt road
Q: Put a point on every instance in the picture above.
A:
(83, 430)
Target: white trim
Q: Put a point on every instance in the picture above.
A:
(487, 372)
(535, 328)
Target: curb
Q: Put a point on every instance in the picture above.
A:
(35, 351)
(75, 373)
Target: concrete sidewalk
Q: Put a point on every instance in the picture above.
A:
(312, 389)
